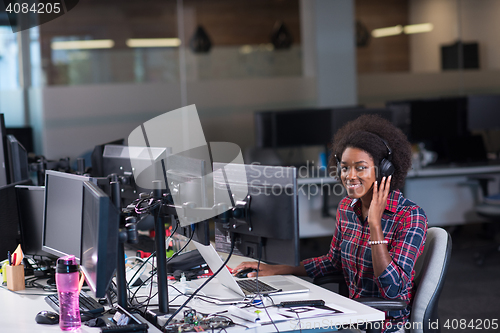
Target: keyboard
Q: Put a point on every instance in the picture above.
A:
(250, 287)
(87, 303)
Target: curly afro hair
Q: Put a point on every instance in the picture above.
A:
(366, 133)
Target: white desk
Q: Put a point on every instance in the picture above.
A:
(18, 311)
(357, 312)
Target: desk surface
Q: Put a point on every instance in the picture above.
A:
(18, 310)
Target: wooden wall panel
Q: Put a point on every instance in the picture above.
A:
(385, 54)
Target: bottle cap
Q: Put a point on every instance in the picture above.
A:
(67, 264)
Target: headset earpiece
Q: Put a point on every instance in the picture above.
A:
(386, 168)
(339, 170)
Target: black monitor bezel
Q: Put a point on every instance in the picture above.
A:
(108, 219)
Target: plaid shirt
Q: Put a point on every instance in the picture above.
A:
(404, 225)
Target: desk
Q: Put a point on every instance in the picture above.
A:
(447, 195)
(18, 311)
(358, 312)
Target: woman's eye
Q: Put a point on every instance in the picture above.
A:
(361, 168)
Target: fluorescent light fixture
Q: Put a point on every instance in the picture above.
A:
(389, 31)
(418, 28)
(83, 44)
(246, 49)
(153, 42)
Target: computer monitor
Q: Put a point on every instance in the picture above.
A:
(292, 128)
(9, 220)
(189, 180)
(138, 167)
(483, 112)
(3, 153)
(306, 127)
(271, 211)
(343, 115)
(30, 203)
(62, 216)
(437, 122)
(97, 158)
(99, 238)
(24, 135)
(18, 160)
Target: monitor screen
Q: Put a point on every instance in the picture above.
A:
(24, 135)
(62, 218)
(438, 123)
(483, 112)
(434, 119)
(30, 202)
(343, 115)
(3, 153)
(18, 160)
(292, 128)
(99, 238)
(9, 220)
(272, 216)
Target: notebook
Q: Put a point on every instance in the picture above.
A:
(281, 284)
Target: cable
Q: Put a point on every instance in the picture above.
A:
(152, 255)
(257, 284)
(203, 285)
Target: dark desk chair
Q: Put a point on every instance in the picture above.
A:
(430, 272)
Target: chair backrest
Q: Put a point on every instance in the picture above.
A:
(430, 272)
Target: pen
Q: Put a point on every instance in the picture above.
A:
(14, 259)
(10, 258)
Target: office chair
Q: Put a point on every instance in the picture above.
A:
(487, 206)
(430, 272)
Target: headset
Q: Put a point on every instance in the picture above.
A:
(385, 168)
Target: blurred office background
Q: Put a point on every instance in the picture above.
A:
(334, 53)
(140, 59)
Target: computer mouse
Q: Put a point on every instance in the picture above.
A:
(244, 272)
(47, 317)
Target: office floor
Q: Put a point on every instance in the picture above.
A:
(470, 299)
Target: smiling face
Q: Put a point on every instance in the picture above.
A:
(358, 172)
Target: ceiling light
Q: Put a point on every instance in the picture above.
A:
(418, 28)
(83, 44)
(153, 42)
(246, 49)
(389, 31)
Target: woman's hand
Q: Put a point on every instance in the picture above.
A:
(265, 269)
(379, 201)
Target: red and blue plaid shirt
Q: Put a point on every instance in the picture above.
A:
(405, 227)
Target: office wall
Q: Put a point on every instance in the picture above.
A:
(382, 55)
(11, 105)
(376, 89)
(78, 118)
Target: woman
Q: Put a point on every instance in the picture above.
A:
(379, 233)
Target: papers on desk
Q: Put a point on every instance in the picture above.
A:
(256, 316)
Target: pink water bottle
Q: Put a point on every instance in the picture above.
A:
(67, 282)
